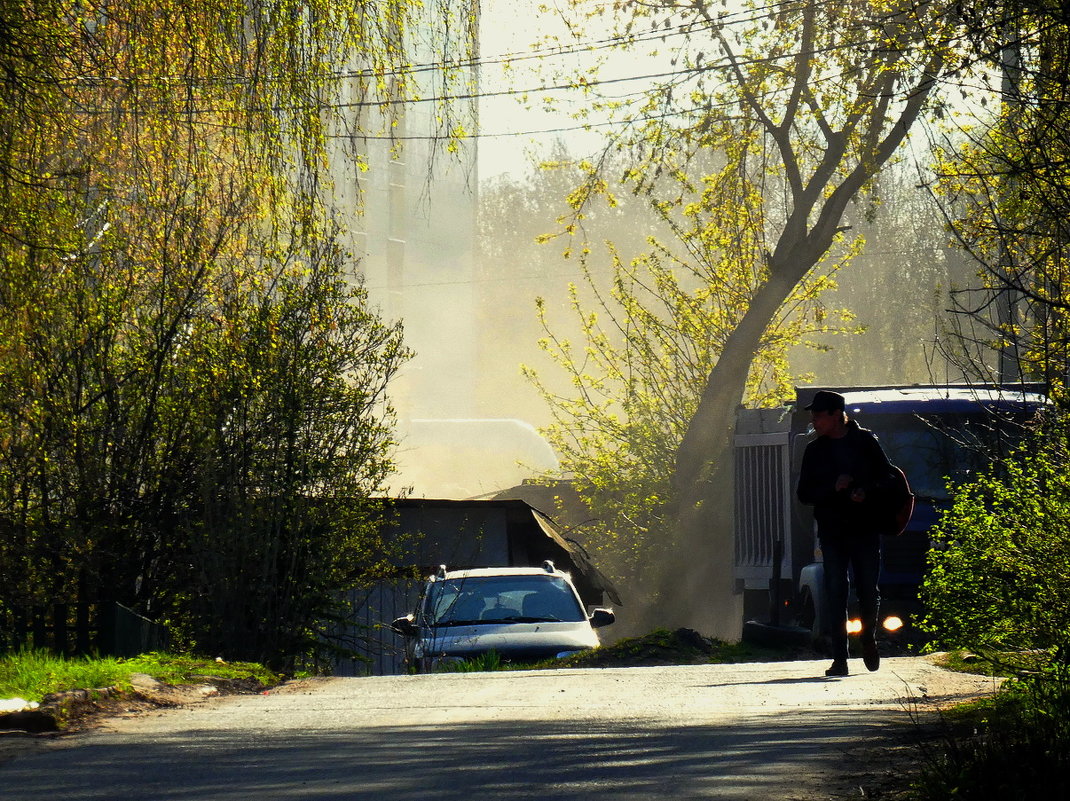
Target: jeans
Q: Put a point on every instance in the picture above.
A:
(860, 556)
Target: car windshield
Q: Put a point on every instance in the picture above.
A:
(510, 599)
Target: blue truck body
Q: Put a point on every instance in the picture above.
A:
(936, 433)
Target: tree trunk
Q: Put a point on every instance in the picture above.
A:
(697, 584)
(711, 428)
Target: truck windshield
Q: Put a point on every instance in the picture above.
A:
(510, 599)
(951, 447)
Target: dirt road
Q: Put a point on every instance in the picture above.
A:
(755, 731)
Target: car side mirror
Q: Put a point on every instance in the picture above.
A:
(602, 617)
(404, 626)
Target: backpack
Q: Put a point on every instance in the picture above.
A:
(896, 504)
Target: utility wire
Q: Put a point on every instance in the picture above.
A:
(960, 84)
(722, 63)
(612, 42)
(582, 47)
(681, 74)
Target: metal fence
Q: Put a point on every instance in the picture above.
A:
(106, 628)
(366, 646)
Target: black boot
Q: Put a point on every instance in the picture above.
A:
(870, 655)
(838, 668)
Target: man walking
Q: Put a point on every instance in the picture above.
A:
(843, 471)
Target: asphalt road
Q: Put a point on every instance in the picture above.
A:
(756, 731)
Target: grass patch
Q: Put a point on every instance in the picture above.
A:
(32, 674)
(185, 669)
(491, 660)
(995, 664)
(1015, 745)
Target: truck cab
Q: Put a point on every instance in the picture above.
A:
(939, 435)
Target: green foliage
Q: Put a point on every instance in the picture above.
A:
(748, 161)
(999, 569)
(962, 661)
(1005, 187)
(31, 675)
(651, 334)
(1015, 747)
(192, 382)
(173, 668)
(491, 660)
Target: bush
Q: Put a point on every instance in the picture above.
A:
(999, 569)
(1017, 747)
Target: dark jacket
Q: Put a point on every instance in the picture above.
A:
(857, 454)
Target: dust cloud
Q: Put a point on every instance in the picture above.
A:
(456, 261)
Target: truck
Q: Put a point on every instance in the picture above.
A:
(938, 434)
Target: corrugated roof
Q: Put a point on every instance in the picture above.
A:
(543, 523)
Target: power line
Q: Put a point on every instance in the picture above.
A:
(723, 63)
(725, 20)
(681, 74)
(649, 34)
(612, 42)
(581, 126)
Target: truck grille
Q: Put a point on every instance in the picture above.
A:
(761, 499)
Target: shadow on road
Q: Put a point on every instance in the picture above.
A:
(790, 680)
(500, 760)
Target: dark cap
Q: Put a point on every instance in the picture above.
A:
(826, 401)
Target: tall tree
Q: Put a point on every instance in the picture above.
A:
(652, 323)
(809, 101)
(187, 360)
(1004, 186)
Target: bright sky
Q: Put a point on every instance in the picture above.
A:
(512, 130)
(510, 27)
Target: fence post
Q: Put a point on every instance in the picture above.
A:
(83, 644)
(8, 634)
(59, 629)
(106, 624)
(39, 626)
(19, 628)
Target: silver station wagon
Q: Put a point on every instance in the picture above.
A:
(523, 614)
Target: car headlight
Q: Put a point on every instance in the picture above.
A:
(893, 623)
